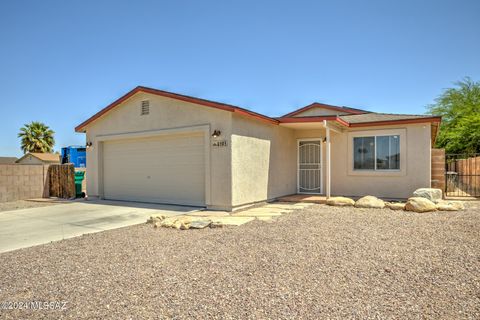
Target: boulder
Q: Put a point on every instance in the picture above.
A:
(200, 223)
(395, 205)
(340, 201)
(432, 194)
(182, 222)
(450, 206)
(369, 202)
(419, 204)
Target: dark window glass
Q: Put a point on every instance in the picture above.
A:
(388, 152)
(376, 153)
(364, 153)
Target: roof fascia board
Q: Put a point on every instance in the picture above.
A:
(400, 121)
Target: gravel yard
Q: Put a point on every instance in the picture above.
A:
(316, 263)
(23, 204)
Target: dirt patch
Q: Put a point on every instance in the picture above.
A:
(320, 262)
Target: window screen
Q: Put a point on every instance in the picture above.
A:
(376, 153)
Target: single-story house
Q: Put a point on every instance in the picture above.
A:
(8, 160)
(161, 147)
(39, 158)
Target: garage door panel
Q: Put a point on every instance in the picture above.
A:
(166, 169)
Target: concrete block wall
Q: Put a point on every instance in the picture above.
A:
(19, 182)
(438, 169)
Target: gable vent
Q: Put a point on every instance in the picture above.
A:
(145, 108)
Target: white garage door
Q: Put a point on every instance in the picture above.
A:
(162, 169)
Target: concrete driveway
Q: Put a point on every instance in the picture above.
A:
(34, 226)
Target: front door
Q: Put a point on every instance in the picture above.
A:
(309, 174)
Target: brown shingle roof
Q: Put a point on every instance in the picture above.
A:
(325, 106)
(45, 157)
(7, 160)
(50, 157)
(380, 117)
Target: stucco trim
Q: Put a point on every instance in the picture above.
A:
(152, 133)
(100, 139)
(383, 173)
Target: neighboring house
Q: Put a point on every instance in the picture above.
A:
(156, 146)
(76, 155)
(8, 160)
(39, 158)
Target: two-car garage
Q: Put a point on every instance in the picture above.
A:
(158, 169)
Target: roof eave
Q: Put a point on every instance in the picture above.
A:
(399, 121)
(305, 119)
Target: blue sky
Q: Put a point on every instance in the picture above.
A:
(62, 61)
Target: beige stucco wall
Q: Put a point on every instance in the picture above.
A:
(319, 112)
(165, 113)
(415, 171)
(263, 161)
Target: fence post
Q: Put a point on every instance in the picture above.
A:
(438, 169)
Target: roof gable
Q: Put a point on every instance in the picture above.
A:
(203, 102)
(45, 157)
(321, 109)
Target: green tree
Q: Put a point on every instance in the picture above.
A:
(460, 111)
(36, 137)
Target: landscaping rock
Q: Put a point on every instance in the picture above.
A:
(450, 206)
(370, 202)
(340, 201)
(419, 204)
(432, 194)
(156, 220)
(216, 224)
(395, 205)
(182, 222)
(200, 223)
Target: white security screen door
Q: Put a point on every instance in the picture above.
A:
(309, 166)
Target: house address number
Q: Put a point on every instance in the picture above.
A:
(221, 143)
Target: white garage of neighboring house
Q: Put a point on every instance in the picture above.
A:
(161, 147)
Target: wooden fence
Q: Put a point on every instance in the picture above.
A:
(463, 174)
(61, 180)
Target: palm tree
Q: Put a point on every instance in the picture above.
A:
(36, 137)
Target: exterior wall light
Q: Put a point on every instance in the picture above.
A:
(89, 144)
(216, 133)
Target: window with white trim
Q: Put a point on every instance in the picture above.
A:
(376, 153)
